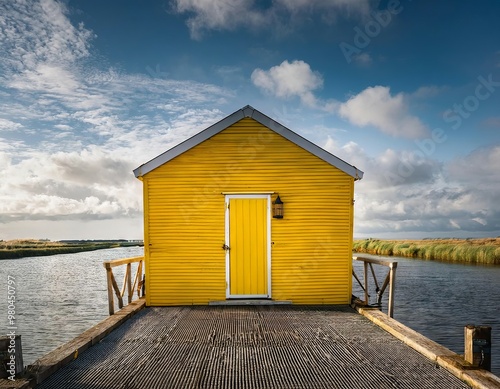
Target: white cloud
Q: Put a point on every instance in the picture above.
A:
(428, 91)
(70, 155)
(479, 169)
(375, 106)
(390, 169)
(9, 125)
(40, 32)
(219, 15)
(434, 208)
(232, 14)
(43, 50)
(428, 201)
(73, 133)
(52, 79)
(295, 79)
(363, 59)
(86, 170)
(75, 184)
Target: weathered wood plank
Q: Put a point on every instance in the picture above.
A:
(111, 301)
(117, 291)
(375, 261)
(122, 261)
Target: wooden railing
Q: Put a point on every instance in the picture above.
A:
(389, 280)
(136, 286)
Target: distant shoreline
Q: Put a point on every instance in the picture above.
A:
(15, 249)
(485, 251)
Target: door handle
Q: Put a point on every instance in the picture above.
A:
(225, 247)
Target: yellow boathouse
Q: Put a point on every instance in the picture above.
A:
(215, 229)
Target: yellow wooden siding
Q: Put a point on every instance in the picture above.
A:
(311, 245)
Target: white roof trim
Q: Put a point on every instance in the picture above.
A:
(266, 121)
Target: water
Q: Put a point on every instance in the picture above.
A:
(58, 297)
(438, 299)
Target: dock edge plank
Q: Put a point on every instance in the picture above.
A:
(475, 377)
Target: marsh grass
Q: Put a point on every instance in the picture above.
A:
(12, 249)
(473, 251)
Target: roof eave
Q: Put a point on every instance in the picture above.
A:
(307, 145)
(189, 143)
(266, 121)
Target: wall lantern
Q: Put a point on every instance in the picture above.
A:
(278, 208)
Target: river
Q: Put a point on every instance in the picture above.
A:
(60, 296)
(57, 297)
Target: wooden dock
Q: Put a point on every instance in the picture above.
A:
(282, 346)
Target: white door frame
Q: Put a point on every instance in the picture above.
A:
(228, 197)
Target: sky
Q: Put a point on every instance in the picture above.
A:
(407, 91)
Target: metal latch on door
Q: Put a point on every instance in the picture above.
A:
(225, 247)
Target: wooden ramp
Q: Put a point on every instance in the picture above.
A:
(278, 346)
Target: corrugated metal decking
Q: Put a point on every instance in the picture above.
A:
(250, 347)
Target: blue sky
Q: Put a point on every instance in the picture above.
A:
(407, 91)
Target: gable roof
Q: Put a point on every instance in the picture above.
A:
(248, 112)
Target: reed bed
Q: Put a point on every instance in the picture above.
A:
(484, 251)
(13, 249)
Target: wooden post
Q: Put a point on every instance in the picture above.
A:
(139, 279)
(11, 356)
(118, 293)
(129, 282)
(111, 301)
(478, 346)
(365, 275)
(374, 276)
(124, 284)
(392, 281)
